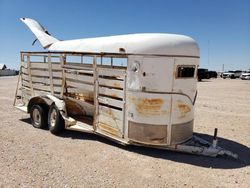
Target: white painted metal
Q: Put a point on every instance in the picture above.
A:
(149, 108)
(40, 32)
(153, 74)
(182, 109)
(111, 101)
(145, 43)
(200, 146)
(185, 86)
(60, 104)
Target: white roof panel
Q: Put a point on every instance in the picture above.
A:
(149, 43)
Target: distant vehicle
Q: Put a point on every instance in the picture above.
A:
(231, 74)
(202, 74)
(237, 73)
(245, 76)
(206, 74)
(212, 74)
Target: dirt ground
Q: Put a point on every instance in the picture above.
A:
(31, 157)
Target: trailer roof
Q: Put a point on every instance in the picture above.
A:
(149, 43)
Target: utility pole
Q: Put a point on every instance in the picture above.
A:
(208, 53)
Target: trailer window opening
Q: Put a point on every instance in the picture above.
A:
(114, 61)
(185, 71)
(38, 58)
(120, 62)
(104, 61)
(55, 59)
(87, 60)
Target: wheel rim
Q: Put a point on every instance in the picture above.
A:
(53, 117)
(36, 116)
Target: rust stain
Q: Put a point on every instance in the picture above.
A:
(174, 74)
(80, 96)
(149, 107)
(184, 109)
(74, 108)
(114, 95)
(110, 113)
(117, 85)
(108, 129)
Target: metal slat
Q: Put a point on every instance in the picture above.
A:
(44, 80)
(45, 73)
(110, 125)
(111, 83)
(80, 86)
(42, 65)
(111, 102)
(110, 112)
(119, 74)
(77, 77)
(111, 92)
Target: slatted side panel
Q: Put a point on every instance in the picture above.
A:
(25, 81)
(36, 78)
(79, 81)
(111, 100)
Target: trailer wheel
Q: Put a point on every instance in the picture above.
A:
(55, 120)
(38, 116)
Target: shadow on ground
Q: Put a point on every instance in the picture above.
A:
(205, 80)
(221, 162)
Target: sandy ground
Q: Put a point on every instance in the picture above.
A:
(31, 157)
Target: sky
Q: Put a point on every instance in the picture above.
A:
(220, 27)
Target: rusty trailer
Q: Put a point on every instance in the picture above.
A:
(137, 89)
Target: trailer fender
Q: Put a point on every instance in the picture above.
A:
(60, 104)
(39, 100)
(47, 101)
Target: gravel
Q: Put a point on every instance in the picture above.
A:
(32, 157)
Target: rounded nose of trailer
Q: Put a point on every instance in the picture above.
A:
(160, 100)
(159, 119)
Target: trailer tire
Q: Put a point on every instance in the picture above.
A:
(55, 120)
(38, 116)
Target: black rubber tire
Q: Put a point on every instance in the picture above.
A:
(41, 119)
(55, 121)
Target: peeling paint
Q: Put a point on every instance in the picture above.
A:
(117, 85)
(80, 96)
(108, 129)
(149, 107)
(114, 95)
(184, 109)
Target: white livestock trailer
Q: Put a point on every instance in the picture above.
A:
(134, 89)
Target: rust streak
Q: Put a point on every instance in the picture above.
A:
(80, 96)
(108, 129)
(110, 113)
(117, 85)
(184, 109)
(114, 95)
(149, 107)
